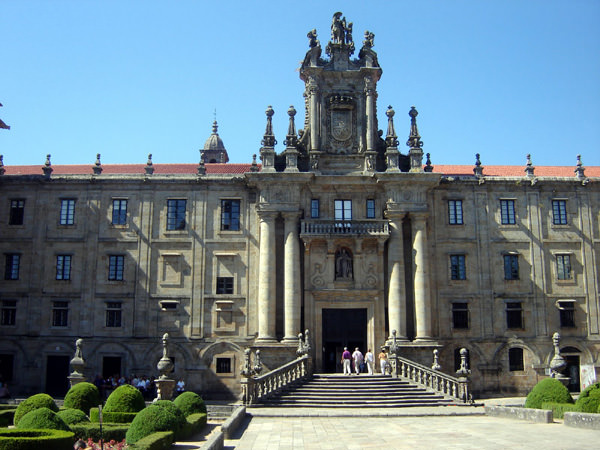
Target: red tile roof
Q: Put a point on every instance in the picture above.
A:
(516, 171)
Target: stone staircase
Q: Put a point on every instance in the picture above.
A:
(365, 391)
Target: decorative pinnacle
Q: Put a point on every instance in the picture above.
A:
(580, 170)
(391, 139)
(291, 139)
(97, 168)
(254, 166)
(529, 168)
(428, 167)
(269, 138)
(215, 127)
(149, 167)
(478, 170)
(47, 168)
(414, 140)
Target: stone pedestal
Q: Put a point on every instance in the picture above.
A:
(164, 388)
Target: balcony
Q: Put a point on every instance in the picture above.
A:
(376, 228)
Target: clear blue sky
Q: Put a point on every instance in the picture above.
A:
(128, 78)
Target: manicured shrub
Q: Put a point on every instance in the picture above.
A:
(194, 425)
(559, 409)
(16, 439)
(34, 402)
(161, 440)
(589, 399)
(111, 416)
(110, 431)
(83, 396)
(156, 417)
(190, 403)
(72, 415)
(548, 390)
(42, 419)
(125, 398)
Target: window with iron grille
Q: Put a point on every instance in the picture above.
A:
(460, 315)
(514, 315)
(17, 212)
(455, 212)
(458, 270)
(63, 267)
(567, 314)
(67, 211)
(563, 267)
(176, 214)
(60, 314)
(113, 314)
(12, 265)
(223, 365)
(370, 208)
(511, 267)
(559, 212)
(507, 212)
(315, 211)
(8, 314)
(116, 266)
(119, 211)
(224, 285)
(515, 359)
(230, 215)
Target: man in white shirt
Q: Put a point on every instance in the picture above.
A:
(370, 360)
(358, 358)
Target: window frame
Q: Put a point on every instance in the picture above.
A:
(67, 212)
(8, 313)
(116, 267)
(455, 212)
(12, 266)
(60, 314)
(63, 269)
(231, 214)
(458, 267)
(511, 266)
(566, 310)
(512, 313)
(516, 359)
(564, 268)
(114, 314)
(342, 210)
(176, 218)
(224, 286)
(559, 212)
(370, 208)
(460, 316)
(315, 208)
(119, 215)
(508, 214)
(16, 214)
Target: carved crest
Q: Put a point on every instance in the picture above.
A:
(341, 124)
(341, 121)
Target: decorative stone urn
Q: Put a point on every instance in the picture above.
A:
(77, 364)
(558, 363)
(164, 384)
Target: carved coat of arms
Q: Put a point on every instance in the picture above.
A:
(341, 122)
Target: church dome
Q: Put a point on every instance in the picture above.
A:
(214, 142)
(214, 150)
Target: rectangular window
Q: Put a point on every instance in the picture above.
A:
(67, 211)
(223, 365)
(17, 212)
(315, 212)
(176, 214)
(60, 314)
(458, 270)
(511, 267)
(8, 314)
(514, 315)
(563, 267)
(113, 314)
(11, 268)
(460, 315)
(119, 212)
(567, 314)
(515, 359)
(230, 215)
(507, 212)
(370, 208)
(455, 212)
(63, 267)
(116, 265)
(224, 285)
(559, 212)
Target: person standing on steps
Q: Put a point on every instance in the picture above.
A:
(358, 358)
(346, 357)
(383, 362)
(370, 360)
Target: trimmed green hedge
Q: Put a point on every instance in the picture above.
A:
(83, 396)
(34, 402)
(194, 424)
(151, 419)
(559, 409)
(7, 417)
(161, 440)
(112, 417)
(190, 403)
(42, 419)
(548, 390)
(110, 431)
(125, 398)
(72, 415)
(589, 399)
(15, 439)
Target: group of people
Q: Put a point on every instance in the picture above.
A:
(360, 361)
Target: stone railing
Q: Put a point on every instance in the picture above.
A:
(449, 386)
(255, 389)
(348, 227)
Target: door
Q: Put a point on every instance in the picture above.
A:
(572, 371)
(342, 328)
(57, 371)
(111, 366)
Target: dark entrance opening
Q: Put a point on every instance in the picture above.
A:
(57, 371)
(111, 365)
(571, 355)
(6, 368)
(342, 328)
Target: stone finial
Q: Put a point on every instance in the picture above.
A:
(558, 363)
(579, 169)
(428, 167)
(393, 345)
(97, 167)
(165, 365)
(307, 346)
(254, 165)
(291, 138)
(300, 350)
(391, 139)
(436, 360)
(246, 369)
(269, 138)
(77, 364)
(47, 167)
(2, 169)
(529, 168)
(201, 167)
(478, 170)
(464, 365)
(414, 143)
(149, 166)
(257, 368)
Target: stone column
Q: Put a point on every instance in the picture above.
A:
(291, 292)
(396, 294)
(422, 298)
(313, 102)
(370, 111)
(266, 277)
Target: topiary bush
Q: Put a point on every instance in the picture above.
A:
(42, 419)
(15, 439)
(548, 390)
(151, 419)
(125, 398)
(83, 396)
(589, 399)
(190, 403)
(71, 416)
(34, 402)
(111, 416)
(110, 431)
(173, 409)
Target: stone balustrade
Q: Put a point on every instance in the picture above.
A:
(346, 227)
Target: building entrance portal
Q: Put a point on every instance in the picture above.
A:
(342, 328)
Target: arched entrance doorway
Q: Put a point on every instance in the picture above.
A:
(342, 328)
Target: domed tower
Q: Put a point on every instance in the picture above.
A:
(214, 150)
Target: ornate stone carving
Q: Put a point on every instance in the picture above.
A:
(343, 264)
(341, 123)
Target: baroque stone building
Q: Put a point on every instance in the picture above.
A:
(341, 234)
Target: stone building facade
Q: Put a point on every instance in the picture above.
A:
(341, 234)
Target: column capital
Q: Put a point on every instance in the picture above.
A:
(290, 215)
(266, 214)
